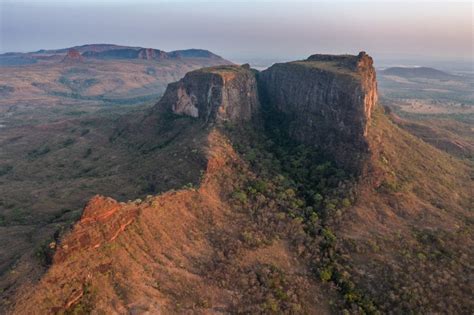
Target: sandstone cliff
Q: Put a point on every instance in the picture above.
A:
(216, 94)
(326, 101)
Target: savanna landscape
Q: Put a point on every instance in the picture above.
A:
(142, 181)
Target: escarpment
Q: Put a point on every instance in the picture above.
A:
(325, 101)
(177, 253)
(216, 94)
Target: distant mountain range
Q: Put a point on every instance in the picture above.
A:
(102, 51)
(417, 72)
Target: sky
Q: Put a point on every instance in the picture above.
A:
(247, 30)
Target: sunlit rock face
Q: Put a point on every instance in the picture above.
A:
(217, 94)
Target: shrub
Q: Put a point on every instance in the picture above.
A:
(5, 169)
(346, 202)
(260, 186)
(87, 153)
(328, 235)
(68, 142)
(39, 152)
(325, 274)
(240, 196)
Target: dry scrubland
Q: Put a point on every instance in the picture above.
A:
(254, 222)
(58, 121)
(436, 106)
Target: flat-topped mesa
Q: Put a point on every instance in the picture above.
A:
(215, 94)
(327, 101)
(362, 64)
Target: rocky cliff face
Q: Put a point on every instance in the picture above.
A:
(216, 94)
(326, 101)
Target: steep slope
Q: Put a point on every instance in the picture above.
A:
(176, 253)
(60, 145)
(44, 192)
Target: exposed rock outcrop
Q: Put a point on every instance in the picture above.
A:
(216, 94)
(103, 219)
(326, 101)
(73, 56)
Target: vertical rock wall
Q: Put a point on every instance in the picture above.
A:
(327, 101)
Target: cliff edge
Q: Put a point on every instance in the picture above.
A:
(215, 94)
(325, 101)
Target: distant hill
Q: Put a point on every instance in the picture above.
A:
(99, 73)
(84, 48)
(104, 51)
(149, 54)
(417, 72)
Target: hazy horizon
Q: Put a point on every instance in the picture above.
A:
(249, 31)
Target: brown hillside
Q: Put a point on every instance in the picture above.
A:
(408, 241)
(186, 251)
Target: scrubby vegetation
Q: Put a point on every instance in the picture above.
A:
(302, 184)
